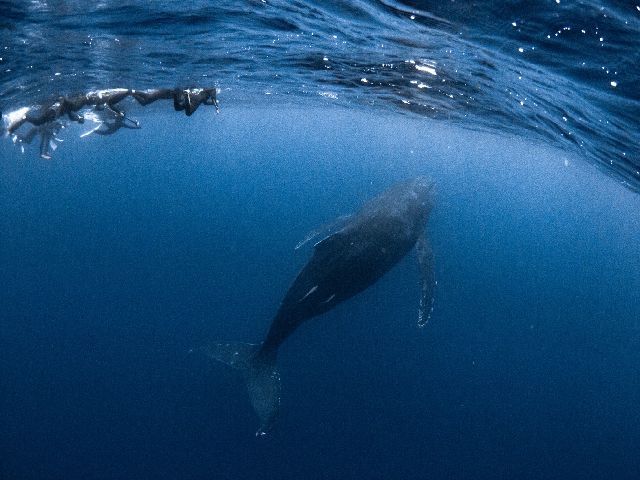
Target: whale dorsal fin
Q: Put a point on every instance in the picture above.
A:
(427, 280)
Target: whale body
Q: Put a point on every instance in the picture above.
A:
(368, 244)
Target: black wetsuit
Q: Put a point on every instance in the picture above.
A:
(184, 99)
(190, 99)
(145, 97)
(107, 97)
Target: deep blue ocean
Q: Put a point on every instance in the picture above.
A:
(122, 253)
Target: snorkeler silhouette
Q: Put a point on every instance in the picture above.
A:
(99, 106)
(188, 99)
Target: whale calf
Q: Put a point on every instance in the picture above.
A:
(368, 244)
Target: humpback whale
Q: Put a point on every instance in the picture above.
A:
(368, 244)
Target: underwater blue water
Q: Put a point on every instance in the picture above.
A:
(121, 254)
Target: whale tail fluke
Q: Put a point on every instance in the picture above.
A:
(260, 373)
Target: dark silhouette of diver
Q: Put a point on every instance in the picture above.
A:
(101, 108)
(70, 105)
(184, 99)
(190, 99)
(187, 99)
(38, 115)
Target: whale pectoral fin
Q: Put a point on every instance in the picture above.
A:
(326, 230)
(310, 236)
(427, 279)
(332, 246)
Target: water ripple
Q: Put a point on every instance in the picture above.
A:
(562, 72)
